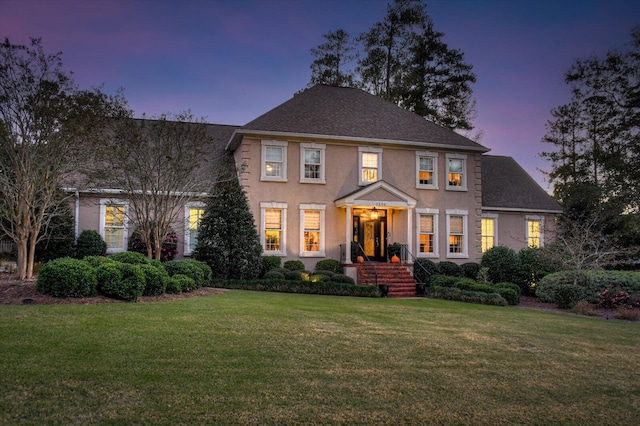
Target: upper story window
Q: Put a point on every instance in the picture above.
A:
(427, 170)
(113, 224)
(370, 165)
(312, 163)
(312, 230)
(456, 172)
(489, 231)
(534, 231)
(273, 228)
(274, 161)
(457, 233)
(427, 232)
(193, 213)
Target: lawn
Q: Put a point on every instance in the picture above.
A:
(267, 358)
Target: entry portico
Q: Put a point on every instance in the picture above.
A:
(372, 218)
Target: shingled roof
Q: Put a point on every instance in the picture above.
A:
(352, 114)
(506, 185)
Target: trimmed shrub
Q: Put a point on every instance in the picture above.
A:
(593, 283)
(90, 243)
(274, 275)
(327, 273)
(330, 265)
(314, 278)
(294, 265)
(155, 280)
(129, 287)
(297, 275)
(108, 275)
(188, 268)
(67, 277)
(130, 257)
(424, 270)
(185, 282)
(341, 278)
(96, 261)
(302, 287)
(174, 285)
(511, 286)
(504, 265)
(568, 295)
(470, 270)
(442, 281)
(452, 293)
(465, 283)
(510, 295)
(206, 270)
(450, 269)
(536, 264)
(268, 263)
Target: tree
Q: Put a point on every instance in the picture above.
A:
(46, 127)
(227, 237)
(331, 59)
(159, 165)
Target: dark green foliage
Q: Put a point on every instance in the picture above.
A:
(90, 243)
(59, 239)
(302, 287)
(294, 265)
(206, 270)
(67, 277)
(512, 286)
(470, 270)
(323, 272)
(174, 285)
(465, 283)
(188, 268)
(593, 283)
(566, 296)
(155, 280)
(274, 275)
(469, 296)
(510, 295)
(314, 278)
(267, 263)
(130, 257)
(535, 265)
(424, 270)
(227, 237)
(297, 275)
(504, 265)
(96, 261)
(185, 282)
(341, 278)
(450, 269)
(128, 285)
(330, 265)
(443, 281)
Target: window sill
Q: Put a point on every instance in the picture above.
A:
(457, 256)
(314, 181)
(271, 179)
(432, 187)
(457, 188)
(313, 254)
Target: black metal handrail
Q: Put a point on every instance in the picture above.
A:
(359, 251)
(406, 255)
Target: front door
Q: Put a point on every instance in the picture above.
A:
(370, 231)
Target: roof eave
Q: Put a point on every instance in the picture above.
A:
(521, 210)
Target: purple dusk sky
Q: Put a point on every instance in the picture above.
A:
(231, 61)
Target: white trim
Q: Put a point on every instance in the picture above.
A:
(283, 237)
(495, 228)
(369, 150)
(465, 172)
(313, 146)
(104, 202)
(434, 156)
(321, 247)
(187, 225)
(436, 240)
(465, 233)
(355, 198)
(263, 160)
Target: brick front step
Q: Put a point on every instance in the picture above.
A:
(391, 277)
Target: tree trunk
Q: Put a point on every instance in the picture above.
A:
(31, 256)
(22, 258)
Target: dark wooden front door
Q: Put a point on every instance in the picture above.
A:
(370, 231)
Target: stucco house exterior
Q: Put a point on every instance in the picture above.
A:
(335, 166)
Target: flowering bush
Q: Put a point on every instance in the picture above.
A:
(167, 252)
(612, 297)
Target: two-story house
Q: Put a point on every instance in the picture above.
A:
(336, 166)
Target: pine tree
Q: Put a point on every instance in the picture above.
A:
(228, 240)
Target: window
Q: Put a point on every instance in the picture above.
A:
(427, 170)
(312, 163)
(427, 232)
(370, 160)
(312, 230)
(534, 231)
(113, 224)
(488, 231)
(456, 176)
(273, 220)
(274, 161)
(457, 233)
(193, 214)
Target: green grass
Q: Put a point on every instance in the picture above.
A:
(269, 358)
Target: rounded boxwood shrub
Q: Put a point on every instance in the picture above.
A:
(504, 265)
(274, 275)
(188, 268)
(297, 275)
(510, 295)
(130, 257)
(129, 287)
(341, 278)
(185, 282)
(268, 263)
(443, 281)
(323, 272)
(330, 265)
(90, 243)
(294, 265)
(568, 295)
(511, 286)
(206, 270)
(155, 280)
(424, 270)
(314, 278)
(470, 270)
(450, 269)
(465, 283)
(95, 261)
(67, 277)
(174, 285)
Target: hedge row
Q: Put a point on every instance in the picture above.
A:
(302, 287)
(508, 291)
(125, 276)
(452, 293)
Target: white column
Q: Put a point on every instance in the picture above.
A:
(410, 230)
(347, 235)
